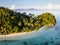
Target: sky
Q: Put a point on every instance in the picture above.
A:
(24, 4)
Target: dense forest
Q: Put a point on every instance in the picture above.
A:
(15, 22)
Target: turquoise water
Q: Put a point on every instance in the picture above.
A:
(50, 36)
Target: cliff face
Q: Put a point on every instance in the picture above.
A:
(14, 22)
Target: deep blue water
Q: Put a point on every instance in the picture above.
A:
(46, 37)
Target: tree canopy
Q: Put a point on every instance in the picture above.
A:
(14, 22)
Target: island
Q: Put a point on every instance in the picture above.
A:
(12, 22)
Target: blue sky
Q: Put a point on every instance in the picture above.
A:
(39, 4)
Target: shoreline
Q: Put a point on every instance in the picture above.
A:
(23, 35)
(14, 34)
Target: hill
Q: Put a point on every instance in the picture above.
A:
(15, 22)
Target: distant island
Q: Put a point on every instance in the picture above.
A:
(32, 9)
(16, 22)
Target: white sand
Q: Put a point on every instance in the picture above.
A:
(14, 34)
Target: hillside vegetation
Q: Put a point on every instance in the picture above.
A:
(14, 22)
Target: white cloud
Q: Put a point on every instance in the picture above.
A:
(12, 7)
(51, 6)
(57, 6)
(48, 6)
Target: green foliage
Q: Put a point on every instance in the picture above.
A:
(14, 22)
(46, 19)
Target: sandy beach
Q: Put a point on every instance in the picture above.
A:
(14, 34)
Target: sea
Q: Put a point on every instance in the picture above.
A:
(49, 36)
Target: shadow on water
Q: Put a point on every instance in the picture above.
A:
(13, 42)
(35, 41)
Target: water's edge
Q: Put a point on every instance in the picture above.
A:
(20, 36)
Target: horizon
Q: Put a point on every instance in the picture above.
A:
(26, 4)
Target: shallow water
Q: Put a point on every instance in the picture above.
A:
(49, 36)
